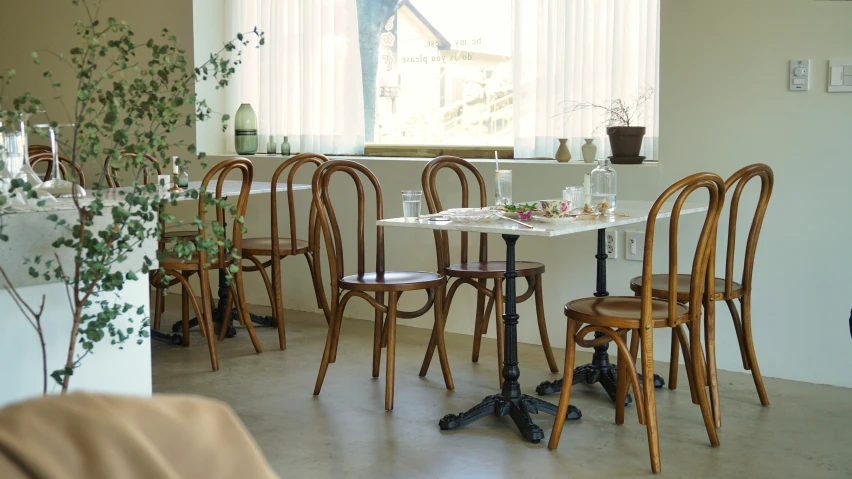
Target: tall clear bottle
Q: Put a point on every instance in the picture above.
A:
(604, 186)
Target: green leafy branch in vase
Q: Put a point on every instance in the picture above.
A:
(129, 101)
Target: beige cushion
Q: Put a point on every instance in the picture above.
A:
(111, 437)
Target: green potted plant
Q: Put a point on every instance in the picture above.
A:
(620, 117)
(129, 97)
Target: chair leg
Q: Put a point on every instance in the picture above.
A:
(647, 339)
(738, 328)
(567, 378)
(710, 347)
(335, 339)
(674, 360)
(479, 320)
(377, 335)
(621, 386)
(206, 313)
(542, 325)
(240, 294)
(752, 357)
(278, 303)
(391, 327)
(439, 329)
(336, 316)
(185, 292)
(229, 306)
(634, 345)
(699, 371)
(682, 337)
(498, 306)
(184, 308)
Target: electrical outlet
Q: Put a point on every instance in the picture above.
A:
(634, 247)
(612, 244)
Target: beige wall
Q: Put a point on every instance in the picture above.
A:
(723, 104)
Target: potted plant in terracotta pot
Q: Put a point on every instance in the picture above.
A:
(625, 138)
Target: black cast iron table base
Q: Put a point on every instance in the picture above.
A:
(519, 409)
(510, 402)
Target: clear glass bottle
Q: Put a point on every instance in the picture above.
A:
(270, 145)
(604, 187)
(285, 147)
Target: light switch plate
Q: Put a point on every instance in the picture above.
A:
(634, 247)
(800, 75)
(840, 76)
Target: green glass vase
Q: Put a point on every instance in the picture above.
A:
(245, 130)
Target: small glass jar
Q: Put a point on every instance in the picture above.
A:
(603, 187)
(183, 178)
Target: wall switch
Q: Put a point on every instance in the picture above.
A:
(800, 75)
(612, 244)
(840, 76)
(634, 247)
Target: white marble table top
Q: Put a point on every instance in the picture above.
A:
(636, 211)
(229, 188)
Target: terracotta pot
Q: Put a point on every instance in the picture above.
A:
(626, 141)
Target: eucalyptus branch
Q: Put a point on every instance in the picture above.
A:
(34, 318)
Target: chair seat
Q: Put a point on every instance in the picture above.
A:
(660, 287)
(170, 261)
(492, 269)
(622, 311)
(263, 246)
(179, 234)
(392, 281)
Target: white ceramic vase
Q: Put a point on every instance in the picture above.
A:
(590, 150)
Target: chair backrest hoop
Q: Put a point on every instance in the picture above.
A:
(703, 260)
(434, 204)
(293, 164)
(220, 172)
(64, 163)
(327, 219)
(736, 184)
(110, 172)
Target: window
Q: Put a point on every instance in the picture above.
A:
(444, 74)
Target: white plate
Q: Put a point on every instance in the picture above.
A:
(471, 215)
(544, 219)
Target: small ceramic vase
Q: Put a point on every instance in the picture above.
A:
(590, 150)
(563, 154)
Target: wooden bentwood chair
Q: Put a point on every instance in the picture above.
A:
(380, 282)
(727, 289)
(181, 269)
(277, 247)
(151, 168)
(477, 273)
(615, 316)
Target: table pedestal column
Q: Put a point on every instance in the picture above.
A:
(510, 401)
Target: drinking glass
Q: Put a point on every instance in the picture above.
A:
(13, 152)
(503, 190)
(56, 184)
(577, 195)
(411, 204)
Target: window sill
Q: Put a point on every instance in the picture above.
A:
(515, 161)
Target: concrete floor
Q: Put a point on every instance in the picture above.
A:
(346, 433)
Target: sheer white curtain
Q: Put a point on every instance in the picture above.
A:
(586, 51)
(306, 81)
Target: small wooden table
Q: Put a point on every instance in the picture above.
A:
(510, 401)
(229, 188)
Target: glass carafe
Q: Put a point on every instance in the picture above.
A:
(603, 187)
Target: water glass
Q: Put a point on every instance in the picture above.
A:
(577, 195)
(503, 190)
(411, 200)
(13, 152)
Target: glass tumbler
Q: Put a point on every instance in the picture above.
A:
(411, 200)
(503, 190)
(577, 195)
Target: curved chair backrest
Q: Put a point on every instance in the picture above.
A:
(111, 173)
(220, 172)
(737, 183)
(36, 149)
(327, 219)
(702, 261)
(433, 202)
(293, 164)
(64, 164)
